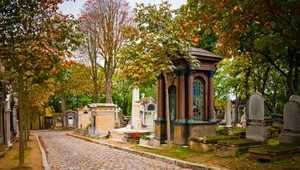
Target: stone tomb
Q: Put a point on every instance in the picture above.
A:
(291, 125)
(257, 129)
(84, 117)
(134, 130)
(103, 117)
(191, 99)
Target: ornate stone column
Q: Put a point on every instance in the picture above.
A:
(160, 98)
(190, 96)
(211, 108)
(160, 123)
(181, 74)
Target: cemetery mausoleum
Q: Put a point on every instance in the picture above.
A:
(191, 99)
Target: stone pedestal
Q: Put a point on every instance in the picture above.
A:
(257, 132)
(289, 137)
(202, 129)
(136, 119)
(160, 132)
(104, 116)
(291, 121)
(180, 133)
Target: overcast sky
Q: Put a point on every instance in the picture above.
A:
(74, 7)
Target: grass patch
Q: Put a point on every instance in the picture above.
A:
(175, 152)
(26, 153)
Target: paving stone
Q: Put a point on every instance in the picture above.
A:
(65, 152)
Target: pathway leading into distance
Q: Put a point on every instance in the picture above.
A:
(66, 152)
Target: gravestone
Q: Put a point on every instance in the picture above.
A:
(256, 107)
(135, 112)
(295, 98)
(228, 114)
(228, 126)
(291, 124)
(256, 130)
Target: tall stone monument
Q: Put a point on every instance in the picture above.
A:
(291, 122)
(135, 112)
(228, 114)
(256, 130)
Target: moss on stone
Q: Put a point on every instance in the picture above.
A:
(238, 142)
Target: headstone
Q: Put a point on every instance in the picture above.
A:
(228, 113)
(291, 122)
(291, 116)
(295, 98)
(234, 116)
(256, 130)
(256, 107)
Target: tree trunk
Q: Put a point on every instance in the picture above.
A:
(290, 80)
(40, 127)
(63, 110)
(21, 121)
(1, 115)
(95, 92)
(265, 79)
(236, 109)
(108, 88)
(28, 124)
(167, 110)
(25, 125)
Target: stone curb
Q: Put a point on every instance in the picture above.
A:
(151, 155)
(44, 156)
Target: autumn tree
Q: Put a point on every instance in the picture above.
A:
(35, 39)
(261, 32)
(103, 24)
(72, 90)
(160, 35)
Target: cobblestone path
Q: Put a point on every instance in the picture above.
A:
(65, 152)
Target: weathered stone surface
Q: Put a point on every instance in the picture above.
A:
(256, 132)
(273, 153)
(256, 106)
(291, 112)
(201, 147)
(201, 129)
(295, 98)
(65, 152)
(290, 138)
(228, 114)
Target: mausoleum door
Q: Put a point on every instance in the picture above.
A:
(172, 109)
